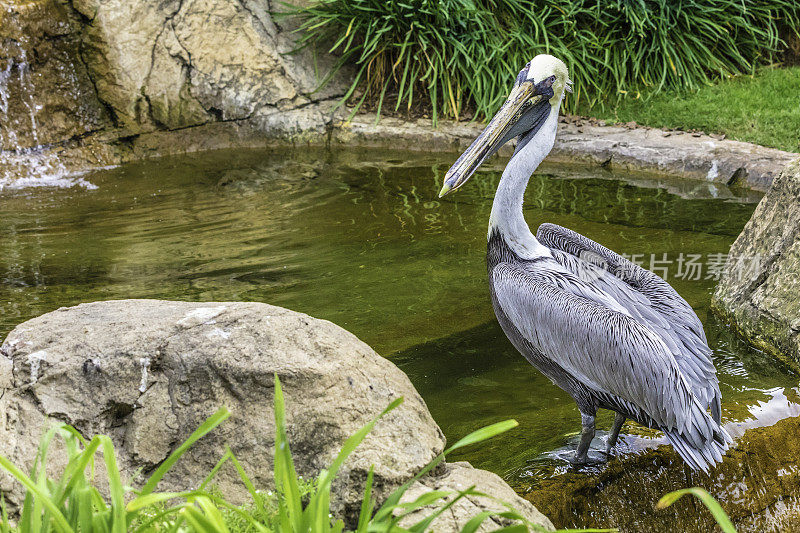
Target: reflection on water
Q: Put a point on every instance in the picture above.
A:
(359, 238)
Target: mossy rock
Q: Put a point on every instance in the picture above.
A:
(757, 484)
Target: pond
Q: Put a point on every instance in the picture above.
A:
(360, 238)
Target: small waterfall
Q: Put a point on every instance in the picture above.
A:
(31, 164)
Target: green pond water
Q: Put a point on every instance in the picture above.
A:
(360, 238)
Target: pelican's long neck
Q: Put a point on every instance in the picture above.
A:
(507, 217)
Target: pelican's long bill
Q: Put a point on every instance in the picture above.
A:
(501, 129)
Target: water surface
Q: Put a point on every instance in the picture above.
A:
(359, 238)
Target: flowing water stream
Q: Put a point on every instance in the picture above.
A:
(359, 238)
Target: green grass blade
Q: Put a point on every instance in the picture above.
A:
(239, 511)
(484, 433)
(213, 421)
(198, 521)
(257, 500)
(149, 500)
(60, 522)
(366, 504)
(212, 513)
(83, 503)
(351, 444)
(118, 520)
(214, 471)
(423, 524)
(165, 515)
(713, 505)
(5, 523)
(475, 522)
(291, 510)
(75, 471)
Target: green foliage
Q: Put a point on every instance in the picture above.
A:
(713, 505)
(292, 511)
(764, 109)
(72, 503)
(466, 53)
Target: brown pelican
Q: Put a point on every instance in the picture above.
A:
(610, 333)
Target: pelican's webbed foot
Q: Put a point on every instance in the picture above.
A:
(590, 458)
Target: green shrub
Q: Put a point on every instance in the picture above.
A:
(465, 53)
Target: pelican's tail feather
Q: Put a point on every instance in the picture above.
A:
(703, 441)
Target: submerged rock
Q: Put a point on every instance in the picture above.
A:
(148, 372)
(758, 291)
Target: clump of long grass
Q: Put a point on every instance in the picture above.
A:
(71, 502)
(459, 54)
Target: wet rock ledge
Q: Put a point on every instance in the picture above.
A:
(687, 155)
(148, 372)
(757, 484)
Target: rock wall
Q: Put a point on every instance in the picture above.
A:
(179, 63)
(97, 74)
(46, 96)
(148, 372)
(758, 291)
(91, 83)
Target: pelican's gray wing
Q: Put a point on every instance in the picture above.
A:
(619, 358)
(648, 298)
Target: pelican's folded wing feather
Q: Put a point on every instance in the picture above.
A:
(648, 298)
(604, 349)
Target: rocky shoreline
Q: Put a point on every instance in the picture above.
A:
(90, 84)
(684, 155)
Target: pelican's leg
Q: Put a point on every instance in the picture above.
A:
(612, 438)
(587, 434)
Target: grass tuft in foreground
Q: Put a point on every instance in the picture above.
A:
(72, 503)
(460, 54)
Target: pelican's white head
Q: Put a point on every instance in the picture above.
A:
(542, 67)
(536, 95)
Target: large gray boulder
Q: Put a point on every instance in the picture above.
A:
(758, 291)
(148, 372)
